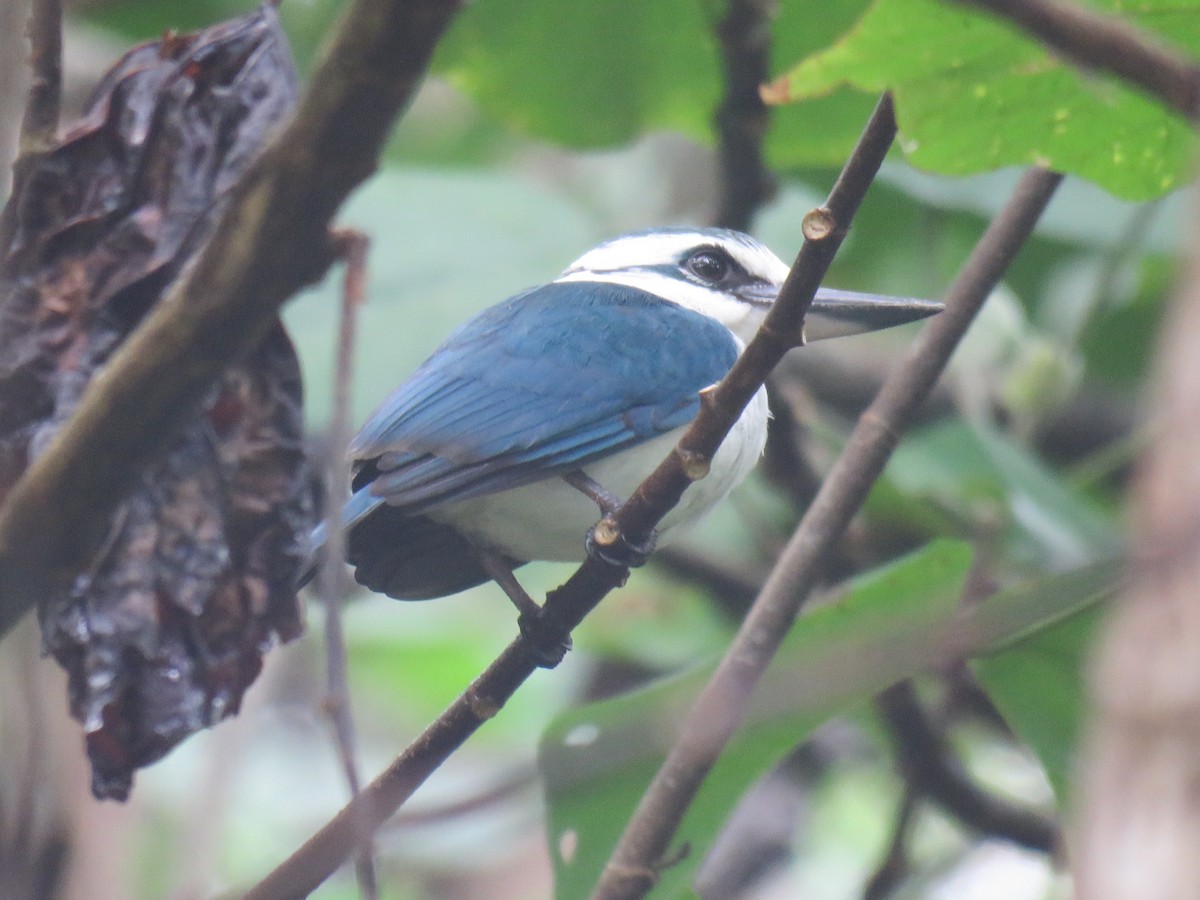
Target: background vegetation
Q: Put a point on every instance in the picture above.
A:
(545, 128)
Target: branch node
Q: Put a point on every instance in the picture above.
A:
(639, 878)
(872, 419)
(607, 532)
(696, 465)
(818, 224)
(481, 707)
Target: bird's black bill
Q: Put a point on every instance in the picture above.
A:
(837, 313)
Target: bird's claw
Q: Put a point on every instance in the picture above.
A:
(546, 646)
(617, 549)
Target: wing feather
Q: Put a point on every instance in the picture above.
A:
(545, 382)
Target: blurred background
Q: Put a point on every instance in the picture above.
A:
(545, 129)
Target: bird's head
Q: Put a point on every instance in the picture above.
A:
(731, 277)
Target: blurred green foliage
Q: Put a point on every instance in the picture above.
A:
(540, 134)
(973, 94)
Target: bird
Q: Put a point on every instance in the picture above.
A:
(542, 412)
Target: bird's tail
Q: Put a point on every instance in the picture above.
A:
(360, 505)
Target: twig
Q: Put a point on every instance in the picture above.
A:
(567, 606)
(12, 85)
(718, 711)
(352, 246)
(40, 124)
(893, 868)
(1108, 44)
(742, 120)
(931, 768)
(272, 240)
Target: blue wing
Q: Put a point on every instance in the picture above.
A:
(542, 383)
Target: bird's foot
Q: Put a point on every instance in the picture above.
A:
(608, 502)
(605, 541)
(545, 645)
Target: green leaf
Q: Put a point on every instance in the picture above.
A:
(586, 74)
(597, 760)
(893, 623)
(1061, 527)
(601, 73)
(973, 94)
(1036, 681)
(984, 480)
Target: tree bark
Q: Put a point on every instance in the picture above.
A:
(1140, 804)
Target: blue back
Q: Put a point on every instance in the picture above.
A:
(540, 384)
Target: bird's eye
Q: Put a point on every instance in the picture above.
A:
(710, 266)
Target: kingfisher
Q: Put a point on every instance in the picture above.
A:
(540, 413)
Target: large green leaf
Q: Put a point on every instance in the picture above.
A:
(601, 73)
(973, 94)
(982, 481)
(1036, 680)
(598, 759)
(893, 623)
(586, 74)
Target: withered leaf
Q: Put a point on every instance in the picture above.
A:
(166, 630)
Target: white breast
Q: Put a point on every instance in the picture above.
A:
(549, 520)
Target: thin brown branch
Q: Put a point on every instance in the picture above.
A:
(272, 241)
(352, 247)
(1107, 44)
(743, 119)
(12, 85)
(717, 713)
(321, 855)
(894, 867)
(931, 768)
(40, 124)
(567, 606)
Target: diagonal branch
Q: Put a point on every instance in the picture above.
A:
(272, 241)
(1109, 44)
(634, 865)
(567, 606)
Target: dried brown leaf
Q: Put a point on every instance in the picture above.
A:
(166, 630)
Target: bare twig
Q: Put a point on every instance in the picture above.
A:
(352, 246)
(272, 240)
(893, 868)
(40, 124)
(742, 119)
(12, 85)
(717, 713)
(567, 606)
(931, 768)
(1109, 44)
